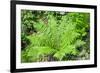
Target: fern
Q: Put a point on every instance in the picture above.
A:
(57, 38)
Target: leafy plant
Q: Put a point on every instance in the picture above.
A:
(59, 36)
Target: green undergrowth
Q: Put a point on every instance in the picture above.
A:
(54, 36)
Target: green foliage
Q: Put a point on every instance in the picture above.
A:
(58, 35)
